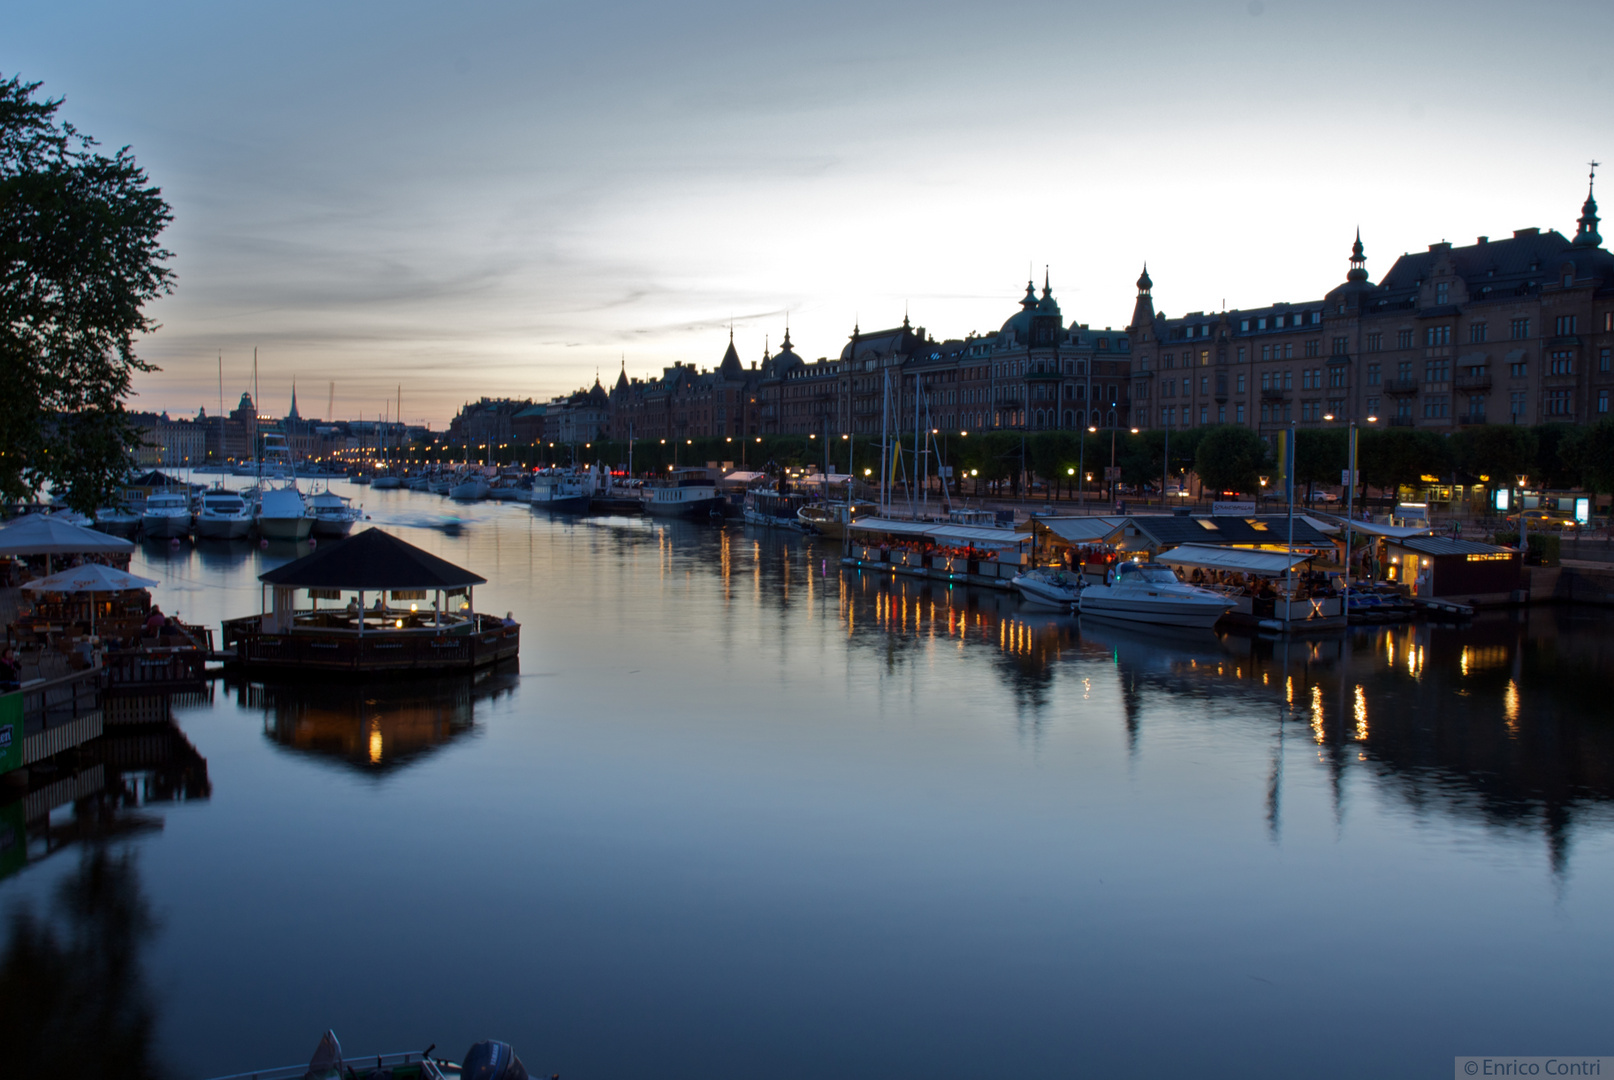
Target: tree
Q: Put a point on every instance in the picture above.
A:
(79, 260)
(1591, 451)
(1399, 456)
(1321, 456)
(1499, 451)
(1229, 458)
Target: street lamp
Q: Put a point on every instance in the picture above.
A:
(1519, 509)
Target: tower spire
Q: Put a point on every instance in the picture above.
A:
(1587, 235)
(1358, 270)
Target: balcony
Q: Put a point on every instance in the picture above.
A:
(1400, 386)
(1273, 393)
(1473, 382)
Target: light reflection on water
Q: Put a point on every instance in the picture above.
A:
(741, 812)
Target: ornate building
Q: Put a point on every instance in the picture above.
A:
(1517, 330)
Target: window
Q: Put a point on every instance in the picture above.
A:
(1287, 413)
(1558, 403)
(1241, 354)
(1561, 363)
(1169, 360)
(1476, 332)
(1403, 409)
(1260, 324)
(1436, 407)
(1266, 380)
(1373, 406)
(1288, 380)
(1204, 358)
(1375, 342)
(1373, 374)
(1278, 322)
(1288, 351)
(1316, 317)
(1204, 414)
(1311, 379)
(1336, 407)
(1204, 384)
(1244, 325)
(1221, 414)
(1437, 335)
(1602, 361)
(1341, 346)
(1442, 292)
(1238, 410)
(1311, 411)
(1403, 371)
(1519, 329)
(1312, 347)
(1564, 325)
(1266, 352)
(1403, 339)
(1602, 402)
(1608, 322)
(1476, 408)
(1240, 380)
(1519, 369)
(1436, 370)
(1336, 379)
(1516, 404)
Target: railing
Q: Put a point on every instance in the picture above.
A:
(1473, 382)
(1400, 386)
(1273, 393)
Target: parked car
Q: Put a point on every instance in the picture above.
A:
(1543, 520)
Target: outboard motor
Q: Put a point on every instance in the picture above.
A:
(492, 1060)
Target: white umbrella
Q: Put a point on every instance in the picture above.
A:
(47, 534)
(92, 578)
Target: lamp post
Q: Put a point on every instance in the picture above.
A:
(1350, 490)
(1081, 465)
(1523, 545)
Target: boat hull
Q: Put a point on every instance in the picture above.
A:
(166, 526)
(1156, 611)
(332, 526)
(297, 528)
(386, 483)
(692, 508)
(566, 504)
(1038, 591)
(472, 491)
(222, 528)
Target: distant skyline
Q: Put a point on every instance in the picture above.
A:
(501, 199)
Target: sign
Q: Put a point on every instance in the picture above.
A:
(945, 472)
(10, 731)
(1345, 478)
(1112, 472)
(1583, 511)
(1232, 508)
(1502, 498)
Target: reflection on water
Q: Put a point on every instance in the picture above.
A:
(74, 1001)
(374, 726)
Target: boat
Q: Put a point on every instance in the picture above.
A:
(470, 488)
(225, 515)
(440, 483)
(167, 514)
(831, 518)
(486, 1060)
(688, 493)
(362, 480)
(417, 483)
(773, 510)
(1151, 593)
(334, 514)
(117, 520)
(1048, 585)
(370, 603)
(281, 512)
(564, 493)
(387, 482)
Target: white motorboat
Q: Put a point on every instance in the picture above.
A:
(441, 483)
(117, 520)
(387, 482)
(225, 515)
(334, 514)
(564, 493)
(167, 514)
(689, 493)
(469, 489)
(1049, 586)
(1151, 593)
(282, 514)
(417, 483)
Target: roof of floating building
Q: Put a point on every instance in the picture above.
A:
(371, 559)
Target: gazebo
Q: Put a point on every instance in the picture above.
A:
(372, 602)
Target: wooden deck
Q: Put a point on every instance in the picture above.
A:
(486, 641)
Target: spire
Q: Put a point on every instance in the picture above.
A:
(293, 414)
(1587, 235)
(1046, 292)
(1029, 301)
(1358, 270)
(1144, 282)
(784, 346)
(1143, 310)
(622, 376)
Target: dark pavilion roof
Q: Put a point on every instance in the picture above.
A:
(1223, 530)
(371, 559)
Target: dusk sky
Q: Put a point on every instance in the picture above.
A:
(499, 199)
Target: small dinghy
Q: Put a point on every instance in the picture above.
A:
(486, 1060)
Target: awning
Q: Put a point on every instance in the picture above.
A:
(890, 525)
(1393, 532)
(1241, 559)
(942, 533)
(46, 534)
(1083, 530)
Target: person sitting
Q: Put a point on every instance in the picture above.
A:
(509, 618)
(155, 620)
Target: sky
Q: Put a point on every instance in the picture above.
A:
(444, 202)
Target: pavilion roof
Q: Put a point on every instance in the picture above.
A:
(371, 559)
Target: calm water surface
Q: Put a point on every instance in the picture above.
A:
(739, 813)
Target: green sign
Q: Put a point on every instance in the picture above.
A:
(10, 731)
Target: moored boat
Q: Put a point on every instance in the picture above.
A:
(1151, 593)
(334, 514)
(563, 493)
(470, 488)
(167, 515)
(773, 510)
(486, 1060)
(831, 518)
(1050, 586)
(690, 493)
(225, 515)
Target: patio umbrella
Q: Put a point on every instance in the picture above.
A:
(46, 534)
(90, 578)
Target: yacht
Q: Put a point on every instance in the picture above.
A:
(470, 488)
(565, 493)
(281, 512)
(387, 482)
(167, 514)
(1151, 593)
(831, 518)
(689, 493)
(767, 507)
(117, 520)
(225, 515)
(334, 514)
(1048, 585)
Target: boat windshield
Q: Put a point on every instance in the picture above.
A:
(1158, 575)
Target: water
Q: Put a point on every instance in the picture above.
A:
(741, 814)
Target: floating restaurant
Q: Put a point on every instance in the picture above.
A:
(393, 607)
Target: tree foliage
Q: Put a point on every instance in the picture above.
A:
(1500, 451)
(1230, 458)
(79, 260)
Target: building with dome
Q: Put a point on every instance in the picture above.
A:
(688, 403)
(1510, 331)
